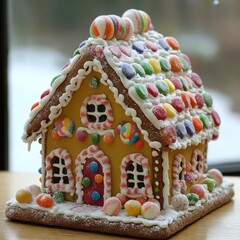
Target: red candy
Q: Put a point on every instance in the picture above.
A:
(199, 99)
(45, 93)
(44, 200)
(151, 46)
(178, 104)
(216, 118)
(115, 51)
(152, 89)
(169, 134)
(175, 64)
(196, 79)
(173, 43)
(160, 113)
(125, 50)
(112, 206)
(176, 82)
(199, 190)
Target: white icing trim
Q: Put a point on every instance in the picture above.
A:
(197, 163)
(166, 188)
(92, 151)
(61, 153)
(136, 191)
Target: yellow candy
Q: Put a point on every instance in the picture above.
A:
(171, 112)
(132, 208)
(170, 85)
(23, 196)
(155, 65)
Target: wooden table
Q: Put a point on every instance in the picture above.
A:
(223, 223)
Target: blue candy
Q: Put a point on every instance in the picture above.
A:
(181, 130)
(189, 127)
(163, 44)
(138, 46)
(82, 43)
(93, 166)
(95, 196)
(128, 71)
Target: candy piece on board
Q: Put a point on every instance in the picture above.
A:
(199, 189)
(44, 200)
(23, 195)
(150, 210)
(180, 202)
(112, 206)
(132, 208)
(58, 197)
(216, 175)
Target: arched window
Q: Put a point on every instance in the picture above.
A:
(135, 179)
(178, 174)
(197, 163)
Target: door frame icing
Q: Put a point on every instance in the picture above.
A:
(95, 152)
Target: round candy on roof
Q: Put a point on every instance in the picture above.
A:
(169, 134)
(207, 99)
(216, 118)
(189, 127)
(186, 58)
(184, 63)
(173, 43)
(155, 65)
(139, 69)
(196, 79)
(34, 105)
(178, 104)
(185, 84)
(138, 46)
(151, 45)
(171, 112)
(171, 86)
(129, 133)
(163, 43)
(45, 93)
(148, 69)
(205, 121)
(197, 123)
(175, 63)
(115, 51)
(162, 87)
(176, 82)
(165, 65)
(125, 50)
(188, 99)
(82, 43)
(199, 99)
(128, 70)
(152, 90)
(141, 90)
(159, 112)
(181, 130)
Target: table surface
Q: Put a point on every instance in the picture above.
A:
(223, 223)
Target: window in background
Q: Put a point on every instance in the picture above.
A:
(44, 34)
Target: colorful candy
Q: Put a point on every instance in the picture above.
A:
(171, 86)
(81, 135)
(129, 133)
(139, 69)
(171, 112)
(132, 208)
(95, 196)
(98, 178)
(189, 127)
(169, 134)
(86, 182)
(129, 28)
(175, 63)
(123, 199)
(34, 105)
(216, 118)
(23, 195)
(45, 93)
(163, 43)
(192, 198)
(58, 197)
(185, 84)
(141, 200)
(178, 104)
(152, 90)
(151, 45)
(197, 123)
(196, 79)
(162, 87)
(93, 83)
(188, 177)
(181, 130)
(180, 202)
(44, 200)
(155, 65)
(147, 67)
(159, 112)
(112, 206)
(55, 79)
(207, 99)
(211, 184)
(216, 175)
(141, 90)
(184, 63)
(173, 43)
(108, 138)
(34, 189)
(138, 144)
(199, 189)
(176, 82)
(188, 99)
(205, 121)
(141, 21)
(128, 70)
(64, 128)
(199, 99)
(165, 65)
(125, 50)
(150, 210)
(138, 46)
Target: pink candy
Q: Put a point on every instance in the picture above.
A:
(216, 175)
(199, 189)
(112, 206)
(150, 210)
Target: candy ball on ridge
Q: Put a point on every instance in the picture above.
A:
(180, 202)
(132, 208)
(44, 200)
(112, 206)
(150, 210)
(216, 175)
(23, 195)
(34, 189)
(199, 189)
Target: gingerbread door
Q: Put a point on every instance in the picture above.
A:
(93, 176)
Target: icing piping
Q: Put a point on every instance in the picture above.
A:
(166, 190)
(197, 163)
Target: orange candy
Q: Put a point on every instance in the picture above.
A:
(108, 138)
(173, 43)
(188, 99)
(197, 123)
(175, 63)
(188, 166)
(44, 200)
(138, 144)
(98, 178)
(123, 199)
(141, 200)
(34, 105)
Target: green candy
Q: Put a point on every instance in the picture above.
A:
(156, 190)
(162, 87)
(76, 52)
(211, 184)
(207, 99)
(139, 69)
(93, 83)
(86, 182)
(147, 68)
(55, 78)
(192, 198)
(141, 91)
(95, 138)
(165, 65)
(205, 121)
(185, 65)
(184, 83)
(58, 197)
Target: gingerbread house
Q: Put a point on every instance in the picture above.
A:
(126, 115)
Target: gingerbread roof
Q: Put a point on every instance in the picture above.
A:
(149, 76)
